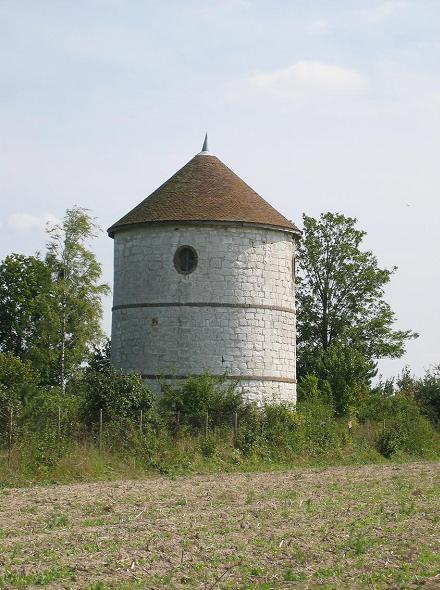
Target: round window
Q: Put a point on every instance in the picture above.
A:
(185, 260)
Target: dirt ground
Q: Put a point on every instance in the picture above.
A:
(375, 526)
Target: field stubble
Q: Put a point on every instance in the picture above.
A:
(373, 527)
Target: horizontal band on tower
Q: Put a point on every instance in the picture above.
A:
(204, 304)
(231, 377)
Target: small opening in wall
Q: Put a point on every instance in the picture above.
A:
(185, 260)
(154, 321)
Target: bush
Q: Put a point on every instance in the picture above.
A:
(14, 372)
(18, 380)
(249, 440)
(283, 428)
(201, 394)
(120, 396)
(406, 430)
(427, 394)
(319, 424)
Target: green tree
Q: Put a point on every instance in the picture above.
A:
(14, 372)
(119, 395)
(76, 275)
(428, 394)
(344, 323)
(25, 299)
(18, 382)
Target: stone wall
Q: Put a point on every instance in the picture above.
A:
(234, 313)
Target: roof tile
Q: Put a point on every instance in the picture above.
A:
(204, 190)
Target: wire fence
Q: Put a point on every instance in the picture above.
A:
(58, 428)
(15, 427)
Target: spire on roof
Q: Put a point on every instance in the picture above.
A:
(205, 151)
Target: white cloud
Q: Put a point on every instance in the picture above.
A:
(309, 77)
(25, 222)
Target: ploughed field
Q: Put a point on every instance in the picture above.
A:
(375, 526)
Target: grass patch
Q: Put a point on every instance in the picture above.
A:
(44, 578)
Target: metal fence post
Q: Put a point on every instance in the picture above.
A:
(100, 431)
(10, 427)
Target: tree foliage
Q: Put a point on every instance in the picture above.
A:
(50, 310)
(428, 394)
(76, 275)
(118, 395)
(25, 301)
(340, 292)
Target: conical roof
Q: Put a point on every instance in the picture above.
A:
(204, 190)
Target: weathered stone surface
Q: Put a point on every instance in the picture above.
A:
(234, 313)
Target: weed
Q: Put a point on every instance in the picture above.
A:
(57, 521)
(17, 580)
(289, 575)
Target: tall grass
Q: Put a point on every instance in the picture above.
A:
(272, 437)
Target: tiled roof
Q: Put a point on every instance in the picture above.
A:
(204, 190)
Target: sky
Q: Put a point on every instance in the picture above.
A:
(319, 106)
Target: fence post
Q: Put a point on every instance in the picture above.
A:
(59, 422)
(206, 423)
(59, 431)
(177, 421)
(141, 421)
(383, 427)
(11, 417)
(235, 423)
(100, 431)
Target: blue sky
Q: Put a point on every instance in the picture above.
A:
(317, 105)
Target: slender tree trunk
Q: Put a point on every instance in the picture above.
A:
(63, 350)
(324, 325)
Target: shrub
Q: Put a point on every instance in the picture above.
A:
(120, 396)
(283, 428)
(18, 380)
(320, 425)
(201, 394)
(249, 440)
(208, 445)
(428, 394)
(406, 430)
(14, 372)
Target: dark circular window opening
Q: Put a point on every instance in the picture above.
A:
(185, 260)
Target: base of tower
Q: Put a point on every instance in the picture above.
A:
(271, 390)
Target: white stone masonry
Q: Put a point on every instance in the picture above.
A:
(235, 312)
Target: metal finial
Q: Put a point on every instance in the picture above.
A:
(205, 144)
(205, 150)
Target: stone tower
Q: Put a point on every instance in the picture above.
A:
(204, 282)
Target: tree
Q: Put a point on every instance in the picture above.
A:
(119, 395)
(76, 276)
(428, 394)
(14, 372)
(18, 381)
(340, 292)
(99, 360)
(25, 287)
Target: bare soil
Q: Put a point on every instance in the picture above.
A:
(375, 526)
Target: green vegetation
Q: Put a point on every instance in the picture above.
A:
(57, 437)
(344, 324)
(50, 309)
(66, 414)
